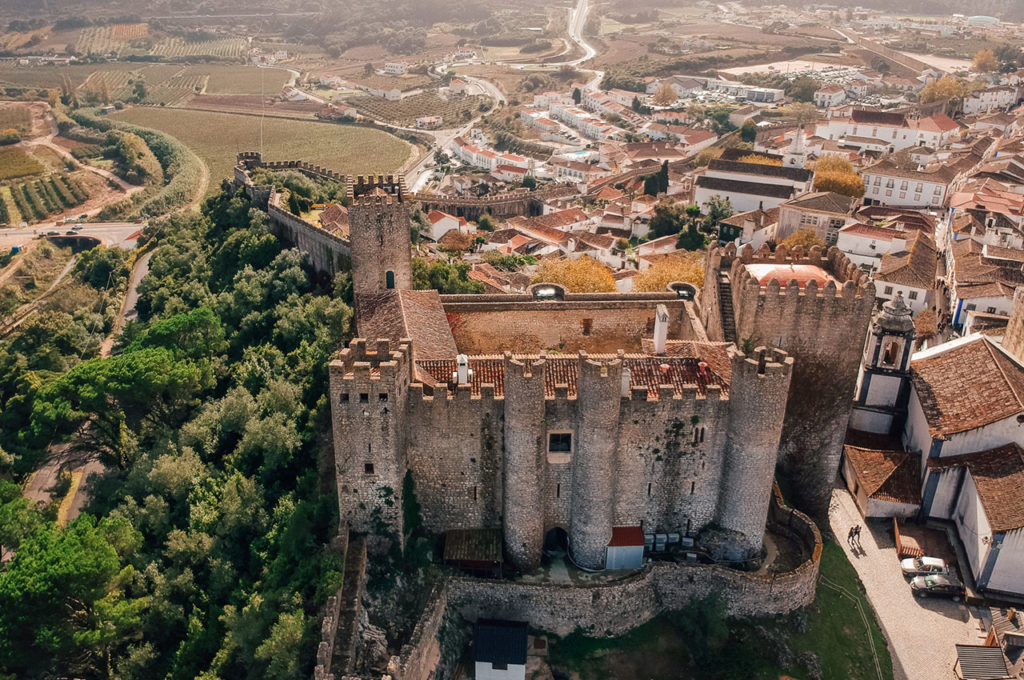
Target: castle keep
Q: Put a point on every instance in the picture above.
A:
(551, 411)
(815, 306)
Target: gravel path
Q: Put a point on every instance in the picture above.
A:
(921, 633)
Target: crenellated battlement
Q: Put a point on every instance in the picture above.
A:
(761, 362)
(360, 364)
(851, 279)
(370, 187)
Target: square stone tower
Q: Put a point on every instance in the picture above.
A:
(379, 235)
(816, 306)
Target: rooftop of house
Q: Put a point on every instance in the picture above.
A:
(500, 642)
(998, 475)
(914, 266)
(887, 475)
(822, 201)
(727, 186)
(397, 314)
(966, 384)
(760, 170)
(784, 272)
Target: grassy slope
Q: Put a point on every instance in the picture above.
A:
(831, 628)
(217, 137)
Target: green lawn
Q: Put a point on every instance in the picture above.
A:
(218, 137)
(699, 643)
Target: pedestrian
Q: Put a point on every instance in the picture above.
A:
(856, 533)
(849, 535)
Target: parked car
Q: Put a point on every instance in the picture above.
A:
(69, 232)
(53, 233)
(936, 585)
(77, 227)
(918, 566)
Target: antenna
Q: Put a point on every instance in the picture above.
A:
(263, 109)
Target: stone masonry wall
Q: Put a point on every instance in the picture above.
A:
(614, 608)
(1013, 338)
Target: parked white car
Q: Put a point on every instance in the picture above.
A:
(921, 566)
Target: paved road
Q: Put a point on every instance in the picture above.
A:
(120, 234)
(131, 299)
(39, 486)
(921, 633)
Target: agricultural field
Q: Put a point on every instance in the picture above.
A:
(218, 137)
(17, 117)
(176, 48)
(240, 79)
(119, 39)
(38, 199)
(409, 81)
(405, 112)
(15, 163)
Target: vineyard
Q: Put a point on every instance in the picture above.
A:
(108, 39)
(174, 48)
(240, 79)
(109, 85)
(17, 117)
(406, 111)
(37, 200)
(16, 163)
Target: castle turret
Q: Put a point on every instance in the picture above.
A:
(883, 388)
(757, 392)
(598, 400)
(524, 446)
(368, 396)
(379, 236)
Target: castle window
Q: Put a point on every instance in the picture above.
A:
(648, 489)
(558, 490)
(343, 397)
(383, 396)
(474, 493)
(693, 486)
(368, 468)
(588, 324)
(560, 442)
(389, 279)
(364, 397)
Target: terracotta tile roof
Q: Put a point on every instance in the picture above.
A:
(998, 475)
(760, 170)
(645, 371)
(825, 201)
(887, 475)
(786, 272)
(869, 117)
(416, 314)
(873, 231)
(967, 384)
(740, 187)
(715, 354)
(914, 267)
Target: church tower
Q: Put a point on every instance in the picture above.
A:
(796, 156)
(883, 387)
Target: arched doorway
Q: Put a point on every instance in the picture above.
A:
(556, 544)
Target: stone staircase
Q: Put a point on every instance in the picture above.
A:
(725, 307)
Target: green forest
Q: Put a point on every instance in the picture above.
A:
(203, 553)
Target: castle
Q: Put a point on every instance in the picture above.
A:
(552, 411)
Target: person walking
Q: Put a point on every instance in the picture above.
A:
(849, 535)
(856, 534)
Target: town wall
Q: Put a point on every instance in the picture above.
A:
(596, 323)
(326, 252)
(518, 202)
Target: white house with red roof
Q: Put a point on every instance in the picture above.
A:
(440, 223)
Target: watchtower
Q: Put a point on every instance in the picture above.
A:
(368, 389)
(379, 235)
(815, 306)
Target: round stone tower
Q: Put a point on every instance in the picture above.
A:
(598, 397)
(524, 444)
(757, 392)
(379, 235)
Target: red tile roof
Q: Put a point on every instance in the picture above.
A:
(645, 371)
(626, 536)
(998, 475)
(887, 475)
(967, 385)
(784, 273)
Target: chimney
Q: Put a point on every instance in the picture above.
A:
(627, 376)
(660, 329)
(462, 372)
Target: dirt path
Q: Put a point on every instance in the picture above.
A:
(19, 316)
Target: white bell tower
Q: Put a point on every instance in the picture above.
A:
(883, 387)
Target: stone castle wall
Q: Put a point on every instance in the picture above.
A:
(614, 608)
(823, 330)
(1013, 338)
(518, 202)
(327, 253)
